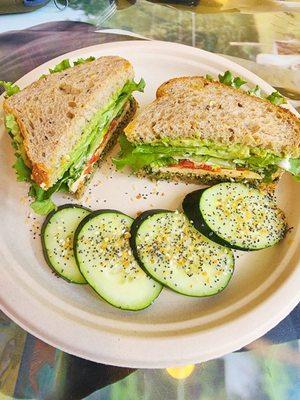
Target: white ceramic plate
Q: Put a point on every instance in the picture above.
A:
(175, 329)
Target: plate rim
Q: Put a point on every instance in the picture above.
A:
(150, 364)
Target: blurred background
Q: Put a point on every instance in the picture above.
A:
(264, 35)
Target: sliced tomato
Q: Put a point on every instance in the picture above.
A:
(88, 170)
(192, 165)
(91, 162)
(112, 125)
(94, 158)
(207, 167)
(186, 164)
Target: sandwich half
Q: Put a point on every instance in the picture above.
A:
(65, 122)
(200, 130)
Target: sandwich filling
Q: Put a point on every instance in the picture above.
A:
(77, 182)
(78, 164)
(192, 156)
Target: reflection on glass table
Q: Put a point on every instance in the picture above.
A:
(200, 6)
(265, 42)
(31, 369)
(254, 30)
(246, 32)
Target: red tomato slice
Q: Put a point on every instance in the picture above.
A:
(209, 168)
(94, 158)
(191, 164)
(186, 164)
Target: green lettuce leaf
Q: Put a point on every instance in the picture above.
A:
(14, 132)
(268, 172)
(263, 161)
(43, 207)
(204, 149)
(276, 98)
(43, 204)
(10, 88)
(256, 91)
(11, 125)
(132, 86)
(64, 64)
(164, 162)
(22, 171)
(238, 82)
(84, 60)
(37, 192)
(229, 80)
(128, 157)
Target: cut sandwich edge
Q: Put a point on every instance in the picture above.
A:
(204, 177)
(123, 120)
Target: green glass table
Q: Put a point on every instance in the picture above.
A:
(262, 36)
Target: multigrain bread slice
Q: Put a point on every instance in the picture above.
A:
(52, 112)
(195, 108)
(116, 128)
(200, 176)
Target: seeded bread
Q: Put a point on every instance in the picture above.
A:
(195, 108)
(203, 177)
(53, 111)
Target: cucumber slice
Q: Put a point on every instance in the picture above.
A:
(236, 215)
(174, 253)
(57, 241)
(105, 259)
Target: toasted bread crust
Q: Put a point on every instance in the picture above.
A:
(40, 175)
